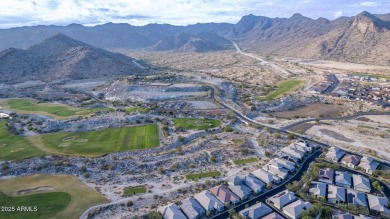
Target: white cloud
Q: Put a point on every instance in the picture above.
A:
(337, 14)
(369, 4)
(178, 12)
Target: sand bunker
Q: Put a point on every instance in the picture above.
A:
(17, 149)
(82, 140)
(37, 189)
(64, 145)
(3, 145)
(70, 138)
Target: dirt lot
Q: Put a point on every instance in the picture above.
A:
(313, 110)
(228, 64)
(343, 66)
(357, 135)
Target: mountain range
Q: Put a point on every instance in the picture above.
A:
(363, 38)
(61, 57)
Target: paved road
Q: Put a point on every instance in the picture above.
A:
(297, 176)
(271, 65)
(246, 119)
(333, 86)
(338, 118)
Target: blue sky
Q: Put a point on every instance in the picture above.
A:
(14, 13)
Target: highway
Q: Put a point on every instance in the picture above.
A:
(271, 65)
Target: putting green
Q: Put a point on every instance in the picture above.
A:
(37, 206)
(196, 123)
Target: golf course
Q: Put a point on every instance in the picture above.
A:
(13, 147)
(284, 88)
(89, 144)
(196, 123)
(57, 111)
(62, 196)
(97, 143)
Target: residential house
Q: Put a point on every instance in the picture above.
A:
(368, 164)
(236, 180)
(256, 211)
(343, 179)
(224, 194)
(289, 158)
(351, 160)
(342, 215)
(277, 170)
(273, 215)
(361, 183)
(265, 176)
(282, 199)
(293, 152)
(295, 209)
(209, 202)
(334, 154)
(318, 189)
(378, 205)
(356, 198)
(336, 194)
(300, 146)
(171, 211)
(290, 166)
(326, 175)
(253, 183)
(192, 208)
(242, 191)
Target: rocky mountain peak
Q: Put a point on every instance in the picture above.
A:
(368, 23)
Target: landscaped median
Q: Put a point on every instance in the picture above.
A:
(134, 190)
(203, 175)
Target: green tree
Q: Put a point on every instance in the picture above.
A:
(154, 215)
(180, 138)
(326, 212)
(228, 129)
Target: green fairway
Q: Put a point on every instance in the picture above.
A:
(203, 175)
(284, 87)
(134, 190)
(134, 109)
(56, 196)
(56, 110)
(97, 143)
(13, 147)
(245, 161)
(196, 123)
(46, 205)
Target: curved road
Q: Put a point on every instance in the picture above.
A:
(263, 62)
(338, 118)
(262, 197)
(246, 119)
